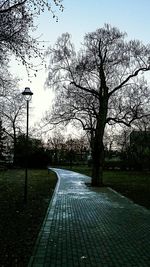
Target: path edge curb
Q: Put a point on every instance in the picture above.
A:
(51, 204)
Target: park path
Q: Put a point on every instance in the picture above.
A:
(91, 227)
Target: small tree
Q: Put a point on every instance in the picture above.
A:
(12, 114)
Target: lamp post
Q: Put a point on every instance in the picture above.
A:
(27, 96)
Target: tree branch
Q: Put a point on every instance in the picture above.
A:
(127, 79)
(91, 91)
(128, 124)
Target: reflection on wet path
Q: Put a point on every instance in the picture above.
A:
(86, 226)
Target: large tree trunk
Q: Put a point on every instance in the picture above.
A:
(97, 161)
(97, 144)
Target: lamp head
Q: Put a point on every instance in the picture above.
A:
(27, 93)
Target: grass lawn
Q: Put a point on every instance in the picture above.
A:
(20, 224)
(134, 185)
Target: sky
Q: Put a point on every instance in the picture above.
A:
(78, 18)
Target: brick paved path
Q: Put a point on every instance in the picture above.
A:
(91, 228)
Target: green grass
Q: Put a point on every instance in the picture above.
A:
(134, 185)
(21, 223)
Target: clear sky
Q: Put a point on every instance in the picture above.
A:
(80, 17)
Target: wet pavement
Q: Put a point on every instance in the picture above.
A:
(91, 227)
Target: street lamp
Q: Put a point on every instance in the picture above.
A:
(27, 96)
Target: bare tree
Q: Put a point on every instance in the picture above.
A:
(12, 111)
(101, 84)
(16, 27)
